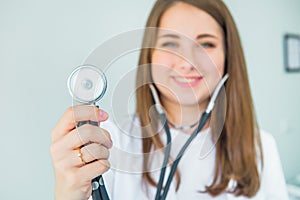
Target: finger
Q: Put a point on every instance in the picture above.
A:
(84, 135)
(61, 149)
(94, 169)
(89, 153)
(106, 134)
(75, 114)
(94, 151)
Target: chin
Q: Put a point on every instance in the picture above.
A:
(192, 100)
(189, 102)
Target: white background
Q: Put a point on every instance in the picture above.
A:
(42, 41)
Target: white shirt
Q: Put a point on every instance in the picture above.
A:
(124, 179)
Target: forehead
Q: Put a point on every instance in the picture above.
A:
(189, 20)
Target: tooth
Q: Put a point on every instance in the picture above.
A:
(186, 80)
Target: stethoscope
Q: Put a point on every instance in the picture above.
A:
(203, 119)
(87, 85)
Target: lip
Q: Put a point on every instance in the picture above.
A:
(187, 81)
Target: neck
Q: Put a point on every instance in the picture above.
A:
(183, 115)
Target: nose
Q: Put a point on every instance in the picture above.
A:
(186, 59)
(184, 65)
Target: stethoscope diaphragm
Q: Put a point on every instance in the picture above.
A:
(87, 84)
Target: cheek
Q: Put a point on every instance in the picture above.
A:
(213, 70)
(220, 63)
(161, 68)
(159, 73)
(220, 60)
(162, 63)
(162, 58)
(216, 64)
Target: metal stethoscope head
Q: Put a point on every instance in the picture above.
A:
(87, 84)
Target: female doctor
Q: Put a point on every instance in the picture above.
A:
(195, 45)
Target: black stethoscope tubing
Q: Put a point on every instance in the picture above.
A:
(204, 117)
(162, 196)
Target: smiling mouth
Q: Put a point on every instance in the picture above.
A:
(187, 81)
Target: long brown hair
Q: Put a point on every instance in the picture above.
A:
(236, 149)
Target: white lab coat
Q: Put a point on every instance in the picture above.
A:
(124, 180)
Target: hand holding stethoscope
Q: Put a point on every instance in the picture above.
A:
(80, 152)
(87, 85)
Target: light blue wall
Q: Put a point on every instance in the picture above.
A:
(40, 44)
(42, 41)
(276, 93)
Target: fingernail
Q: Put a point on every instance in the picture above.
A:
(109, 143)
(102, 114)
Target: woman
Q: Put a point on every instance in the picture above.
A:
(196, 44)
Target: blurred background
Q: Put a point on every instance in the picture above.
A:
(41, 42)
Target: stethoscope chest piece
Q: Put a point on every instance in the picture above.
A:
(87, 84)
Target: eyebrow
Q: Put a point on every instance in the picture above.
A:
(206, 35)
(169, 35)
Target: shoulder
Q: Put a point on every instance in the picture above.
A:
(272, 177)
(269, 147)
(267, 140)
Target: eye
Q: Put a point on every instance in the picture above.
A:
(169, 44)
(207, 45)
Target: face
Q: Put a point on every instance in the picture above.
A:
(188, 59)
